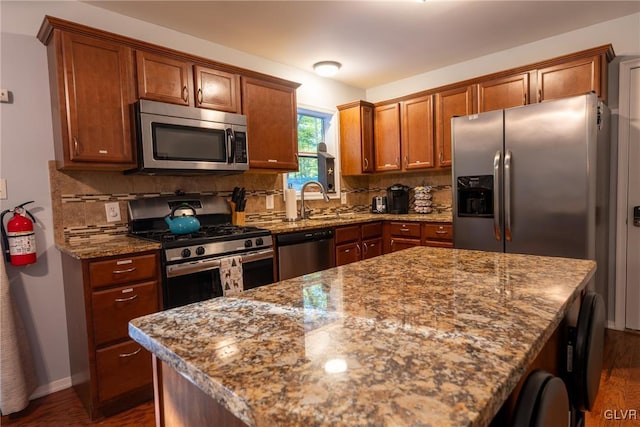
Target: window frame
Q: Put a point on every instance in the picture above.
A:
(331, 140)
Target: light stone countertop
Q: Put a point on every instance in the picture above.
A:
(111, 246)
(419, 337)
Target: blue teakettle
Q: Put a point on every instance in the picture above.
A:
(183, 224)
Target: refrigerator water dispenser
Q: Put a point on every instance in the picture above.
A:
(475, 196)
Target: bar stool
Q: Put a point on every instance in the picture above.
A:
(542, 402)
(585, 357)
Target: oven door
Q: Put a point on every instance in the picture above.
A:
(189, 282)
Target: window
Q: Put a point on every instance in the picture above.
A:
(314, 127)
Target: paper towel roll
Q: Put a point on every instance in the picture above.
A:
(290, 203)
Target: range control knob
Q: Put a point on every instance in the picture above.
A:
(200, 250)
(186, 253)
(248, 243)
(259, 241)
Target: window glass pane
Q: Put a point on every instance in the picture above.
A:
(308, 169)
(310, 133)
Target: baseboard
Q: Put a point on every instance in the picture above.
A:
(52, 387)
(611, 324)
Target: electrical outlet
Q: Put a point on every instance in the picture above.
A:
(3, 189)
(4, 95)
(269, 201)
(343, 198)
(113, 211)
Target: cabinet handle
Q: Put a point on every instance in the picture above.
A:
(365, 248)
(75, 146)
(127, 270)
(133, 353)
(524, 99)
(441, 156)
(199, 96)
(358, 248)
(406, 162)
(539, 95)
(185, 94)
(404, 230)
(131, 298)
(441, 232)
(366, 163)
(392, 242)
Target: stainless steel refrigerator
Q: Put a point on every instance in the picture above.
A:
(535, 180)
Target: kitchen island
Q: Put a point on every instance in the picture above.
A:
(419, 337)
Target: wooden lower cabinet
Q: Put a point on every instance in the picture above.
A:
(400, 235)
(438, 235)
(109, 371)
(358, 242)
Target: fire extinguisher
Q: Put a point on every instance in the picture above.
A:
(18, 239)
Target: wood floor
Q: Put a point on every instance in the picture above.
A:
(618, 397)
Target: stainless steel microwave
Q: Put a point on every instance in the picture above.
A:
(179, 140)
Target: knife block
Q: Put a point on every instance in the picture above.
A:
(237, 218)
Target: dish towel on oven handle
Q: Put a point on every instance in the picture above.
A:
(231, 276)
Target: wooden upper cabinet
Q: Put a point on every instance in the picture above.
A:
(417, 133)
(216, 89)
(449, 103)
(571, 78)
(162, 78)
(386, 131)
(503, 92)
(272, 130)
(356, 138)
(92, 90)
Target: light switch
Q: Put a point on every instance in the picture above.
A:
(343, 198)
(3, 189)
(4, 95)
(113, 211)
(269, 201)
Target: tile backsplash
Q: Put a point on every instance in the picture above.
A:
(79, 197)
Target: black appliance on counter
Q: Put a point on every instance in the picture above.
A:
(398, 199)
(191, 262)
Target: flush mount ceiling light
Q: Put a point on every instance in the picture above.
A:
(326, 68)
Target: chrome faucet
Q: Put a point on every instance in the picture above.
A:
(322, 189)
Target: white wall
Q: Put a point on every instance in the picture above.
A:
(26, 137)
(623, 33)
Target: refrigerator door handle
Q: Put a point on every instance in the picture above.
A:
(496, 196)
(507, 196)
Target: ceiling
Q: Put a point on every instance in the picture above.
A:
(377, 42)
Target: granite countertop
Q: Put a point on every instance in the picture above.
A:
(114, 245)
(423, 336)
(322, 221)
(121, 244)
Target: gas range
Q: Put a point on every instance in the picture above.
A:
(192, 263)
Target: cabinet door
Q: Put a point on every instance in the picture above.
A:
(164, 79)
(98, 78)
(348, 253)
(453, 102)
(417, 133)
(386, 138)
(371, 248)
(217, 90)
(399, 243)
(504, 92)
(356, 138)
(569, 79)
(272, 131)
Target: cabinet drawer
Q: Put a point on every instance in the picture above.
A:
(113, 308)
(122, 270)
(438, 244)
(438, 231)
(399, 243)
(371, 230)
(349, 233)
(121, 368)
(405, 229)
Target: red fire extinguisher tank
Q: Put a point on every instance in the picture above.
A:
(19, 239)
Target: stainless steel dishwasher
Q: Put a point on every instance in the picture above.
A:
(304, 252)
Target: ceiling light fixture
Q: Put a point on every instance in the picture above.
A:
(326, 68)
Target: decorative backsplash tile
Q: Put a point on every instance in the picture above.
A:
(78, 198)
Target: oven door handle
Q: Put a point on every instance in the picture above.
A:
(192, 267)
(257, 256)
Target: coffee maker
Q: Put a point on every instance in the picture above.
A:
(398, 199)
